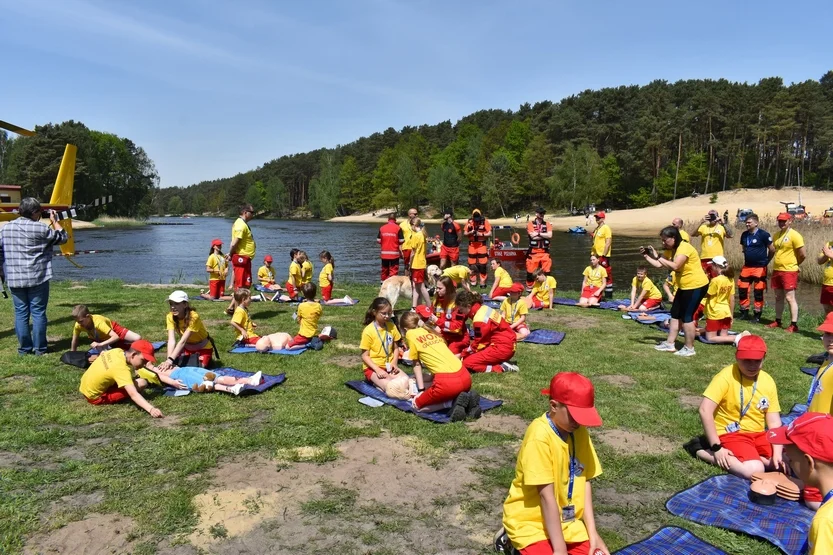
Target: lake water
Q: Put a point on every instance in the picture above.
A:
(177, 253)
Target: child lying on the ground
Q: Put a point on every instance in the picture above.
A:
(199, 379)
(100, 329)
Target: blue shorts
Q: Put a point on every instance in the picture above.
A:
(190, 375)
(686, 302)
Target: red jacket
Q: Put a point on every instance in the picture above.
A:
(489, 327)
(390, 238)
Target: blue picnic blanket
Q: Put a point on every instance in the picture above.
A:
(156, 346)
(671, 541)
(810, 370)
(250, 349)
(723, 501)
(544, 337)
(614, 304)
(442, 417)
(794, 413)
(268, 380)
(652, 318)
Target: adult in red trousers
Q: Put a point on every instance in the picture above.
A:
(407, 230)
(242, 248)
(538, 253)
(390, 239)
(450, 250)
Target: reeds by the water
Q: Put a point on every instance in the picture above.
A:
(117, 221)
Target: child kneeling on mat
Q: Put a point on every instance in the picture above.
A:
(493, 345)
(543, 290)
(380, 353)
(307, 315)
(240, 321)
(593, 283)
(649, 296)
(514, 310)
(739, 404)
(549, 508)
(100, 329)
(451, 385)
(184, 321)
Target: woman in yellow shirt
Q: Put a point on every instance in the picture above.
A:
(184, 321)
(503, 281)
(692, 284)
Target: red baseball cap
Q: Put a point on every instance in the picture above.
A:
(784, 217)
(144, 348)
(424, 311)
(216, 243)
(267, 258)
(575, 391)
(751, 347)
(599, 215)
(812, 432)
(518, 288)
(827, 325)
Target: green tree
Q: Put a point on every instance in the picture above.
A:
(276, 197)
(384, 199)
(198, 203)
(445, 188)
(579, 178)
(254, 196)
(497, 186)
(324, 192)
(410, 190)
(175, 206)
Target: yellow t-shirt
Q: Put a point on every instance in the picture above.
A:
(324, 275)
(721, 289)
(108, 370)
(266, 275)
(308, 314)
(306, 272)
(417, 243)
(827, 278)
(691, 275)
(596, 277)
(651, 290)
(724, 389)
(684, 234)
(431, 351)
(295, 274)
(823, 397)
(405, 226)
(150, 377)
(458, 274)
(218, 267)
(101, 328)
(503, 278)
(785, 246)
(197, 328)
(545, 459)
(246, 244)
(512, 312)
(542, 291)
(821, 531)
(711, 240)
(241, 318)
(602, 232)
(380, 342)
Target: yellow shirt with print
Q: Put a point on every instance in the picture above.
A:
(684, 234)
(721, 289)
(542, 291)
(418, 261)
(431, 351)
(503, 278)
(246, 244)
(599, 236)
(266, 275)
(101, 328)
(827, 267)
(724, 389)
(308, 314)
(195, 325)
(651, 290)
(821, 531)
(295, 273)
(711, 240)
(545, 459)
(217, 265)
(405, 226)
(823, 398)
(306, 272)
(596, 277)
(513, 311)
(691, 275)
(786, 243)
(380, 342)
(457, 274)
(108, 370)
(241, 318)
(324, 275)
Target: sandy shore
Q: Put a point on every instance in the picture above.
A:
(76, 224)
(648, 221)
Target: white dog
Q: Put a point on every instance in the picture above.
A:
(395, 286)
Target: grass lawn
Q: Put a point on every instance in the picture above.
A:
(304, 468)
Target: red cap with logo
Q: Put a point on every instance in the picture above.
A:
(812, 432)
(424, 311)
(216, 243)
(144, 348)
(827, 325)
(267, 258)
(575, 391)
(600, 215)
(751, 347)
(784, 217)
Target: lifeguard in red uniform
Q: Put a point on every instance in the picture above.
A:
(538, 254)
(390, 238)
(478, 231)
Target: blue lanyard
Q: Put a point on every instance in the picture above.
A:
(515, 310)
(744, 410)
(383, 341)
(750, 235)
(816, 383)
(571, 449)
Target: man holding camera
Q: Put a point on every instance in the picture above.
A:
(26, 260)
(712, 232)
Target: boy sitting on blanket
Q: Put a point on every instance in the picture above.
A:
(514, 310)
(809, 449)
(739, 404)
(644, 294)
(307, 316)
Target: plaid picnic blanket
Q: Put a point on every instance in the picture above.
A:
(723, 501)
(671, 541)
(544, 337)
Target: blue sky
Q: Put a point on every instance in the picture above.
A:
(212, 88)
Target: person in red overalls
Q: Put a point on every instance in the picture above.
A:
(538, 254)
(390, 238)
(445, 318)
(494, 340)
(478, 231)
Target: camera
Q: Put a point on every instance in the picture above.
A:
(47, 213)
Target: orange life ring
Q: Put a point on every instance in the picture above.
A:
(516, 239)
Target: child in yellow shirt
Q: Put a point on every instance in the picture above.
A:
(266, 274)
(543, 290)
(100, 329)
(644, 294)
(325, 278)
(240, 321)
(719, 302)
(593, 283)
(308, 314)
(380, 353)
(514, 311)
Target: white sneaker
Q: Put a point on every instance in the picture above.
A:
(685, 352)
(255, 380)
(509, 367)
(236, 389)
(348, 299)
(666, 347)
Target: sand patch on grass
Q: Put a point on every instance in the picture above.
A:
(95, 535)
(9, 459)
(616, 379)
(690, 401)
(167, 421)
(567, 317)
(501, 423)
(79, 287)
(627, 442)
(345, 361)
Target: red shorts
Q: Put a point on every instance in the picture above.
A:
(788, 281)
(418, 276)
(242, 270)
(368, 373)
(590, 291)
(811, 495)
(651, 303)
(120, 330)
(452, 253)
(747, 446)
(406, 256)
(203, 354)
(251, 340)
(291, 290)
(327, 292)
(543, 547)
(112, 395)
(501, 292)
(216, 288)
(522, 327)
(826, 295)
(718, 325)
(299, 340)
(538, 303)
(445, 387)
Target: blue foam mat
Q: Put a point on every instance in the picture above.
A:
(267, 382)
(671, 540)
(614, 304)
(652, 317)
(443, 417)
(810, 370)
(250, 349)
(544, 337)
(564, 301)
(794, 413)
(723, 501)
